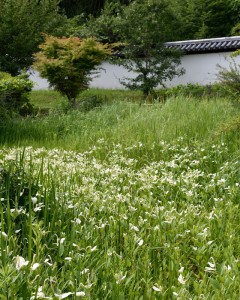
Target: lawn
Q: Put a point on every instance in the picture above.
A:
(124, 201)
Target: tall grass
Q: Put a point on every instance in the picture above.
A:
(122, 202)
(78, 227)
(47, 99)
(50, 99)
(124, 123)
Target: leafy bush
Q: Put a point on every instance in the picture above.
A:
(193, 90)
(4, 75)
(230, 78)
(190, 89)
(68, 62)
(14, 94)
(88, 103)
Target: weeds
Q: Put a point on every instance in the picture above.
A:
(119, 229)
(123, 202)
(126, 123)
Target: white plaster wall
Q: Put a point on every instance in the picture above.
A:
(39, 82)
(200, 68)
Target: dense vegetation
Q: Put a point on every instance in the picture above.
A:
(199, 18)
(22, 23)
(122, 202)
(116, 199)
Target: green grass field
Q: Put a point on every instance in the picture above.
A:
(124, 201)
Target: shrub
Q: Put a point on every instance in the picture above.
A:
(14, 94)
(193, 90)
(68, 62)
(87, 103)
(230, 78)
(4, 75)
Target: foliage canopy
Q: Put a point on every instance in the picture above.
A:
(206, 18)
(21, 25)
(86, 7)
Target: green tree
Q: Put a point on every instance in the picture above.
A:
(77, 7)
(220, 17)
(21, 24)
(206, 18)
(144, 27)
(86, 7)
(103, 27)
(106, 27)
(236, 9)
(67, 63)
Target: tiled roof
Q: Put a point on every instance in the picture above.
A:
(207, 45)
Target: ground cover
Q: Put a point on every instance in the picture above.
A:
(124, 202)
(50, 99)
(126, 122)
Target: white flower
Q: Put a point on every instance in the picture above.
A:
(47, 262)
(157, 288)
(68, 258)
(119, 277)
(212, 265)
(40, 295)
(181, 279)
(62, 240)
(209, 242)
(63, 296)
(189, 193)
(93, 248)
(229, 268)
(134, 228)
(181, 270)
(140, 242)
(34, 200)
(210, 268)
(84, 271)
(21, 262)
(4, 234)
(35, 266)
(80, 294)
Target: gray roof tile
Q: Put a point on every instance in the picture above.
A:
(207, 45)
